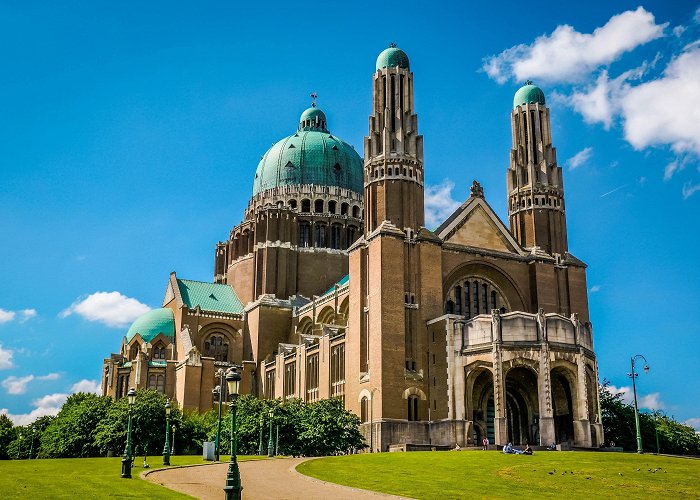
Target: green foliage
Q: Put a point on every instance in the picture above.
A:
(619, 427)
(305, 429)
(72, 432)
(27, 439)
(7, 435)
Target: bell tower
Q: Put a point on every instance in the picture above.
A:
(536, 210)
(393, 170)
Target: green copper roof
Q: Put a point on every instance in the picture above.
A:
(152, 323)
(343, 281)
(310, 156)
(214, 297)
(528, 94)
(392, 57)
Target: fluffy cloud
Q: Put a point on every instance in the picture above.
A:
(568, 56)
(47, 405)
(650, 401)
(18, 385)
(594, 289)
(5, 358)
(111, 308)
(694, 423)
(24, 315)
(92, 386)
(689, 189)
(439, 203)
(580, 158)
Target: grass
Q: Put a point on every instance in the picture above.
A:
(86, 478)
(478, 474)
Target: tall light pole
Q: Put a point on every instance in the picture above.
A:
(126, 459)
(172, 448)
(260, 449)
(633, 376)
(219, 392)
(270, 443)
(166, 448)
(233, 477)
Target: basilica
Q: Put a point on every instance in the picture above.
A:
(331, 286)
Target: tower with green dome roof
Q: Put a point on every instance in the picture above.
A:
(305, 211)
(536, 209)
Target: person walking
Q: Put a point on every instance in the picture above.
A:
(485, 444)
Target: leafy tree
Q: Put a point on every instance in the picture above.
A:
(7, 435)
(619, 427)
(72, 432)
(27, 439)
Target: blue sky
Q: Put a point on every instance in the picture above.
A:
(131, 133)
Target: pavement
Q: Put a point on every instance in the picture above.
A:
(261, 479)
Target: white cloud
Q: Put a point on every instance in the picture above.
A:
(47, 405)
(694, 423)
(663, 111)
(568, 56)
(24, 315)
(594, 289)
(111, 308)
(5, 358)
(17, 385)
(6, 316)
(689, 189)
(580, 158)
(650, 401)
(439, 203)
(92, 386)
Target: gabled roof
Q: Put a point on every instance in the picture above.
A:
(475, 224)
(216, 297)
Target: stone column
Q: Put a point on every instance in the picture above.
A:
(582, 427)
(499, 389)
(547, 434)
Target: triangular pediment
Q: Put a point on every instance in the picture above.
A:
(475, 224)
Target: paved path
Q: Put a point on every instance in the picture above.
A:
(261, 479)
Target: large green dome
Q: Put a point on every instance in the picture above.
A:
(392, 57)
(152, 323)
(310, 156)
(528, 94)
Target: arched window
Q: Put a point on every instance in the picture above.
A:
(331, 207)
(159, 351)
(412, 410)
(216, 347)
(320, 235)
(134, 352)
(364, 410)
(335, 236)
(356, 211)
(318, 206)
(293, 204)
(344, 209)
(306, 206)
(450, 307)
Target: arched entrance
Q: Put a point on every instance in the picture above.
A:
(522, 410)
(562, 405)
(480, 402)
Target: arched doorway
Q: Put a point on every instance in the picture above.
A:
(562, 405)
(522, 410)
(480, 402)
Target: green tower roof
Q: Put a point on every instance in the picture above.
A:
(152, 323)
(392, 57)
(528, 94)
(310, 156)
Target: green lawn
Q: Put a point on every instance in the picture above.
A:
(86, 478)
(478, 474)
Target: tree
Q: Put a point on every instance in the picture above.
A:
(7, 435)
(72, 432)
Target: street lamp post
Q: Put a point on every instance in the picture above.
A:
(233, 477)
(633, 376)
(172, 448)
(260, 449)
(270, 444)
(216, 391)
(126, 459)
(277, 439)
(166, 448)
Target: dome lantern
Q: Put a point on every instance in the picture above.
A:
(392, 57)
(528, 94)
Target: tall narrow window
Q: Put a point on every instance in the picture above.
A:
(467, 300)
(476, 298)
(312, 378)
(458, 299)
(290, 374)
(320, 235)
(306, 206)
(270, 384)
(304, 234)
(493, 300)
(335, 236)
(364, 410)
(485, 292)
(338, 372)
(412, 407)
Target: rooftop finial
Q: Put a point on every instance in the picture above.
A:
(314, 96)
(528, 82)
(476, 190)
(392, 45)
